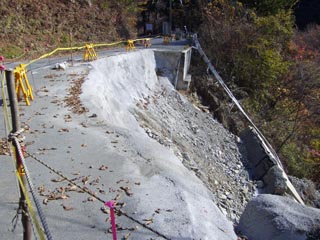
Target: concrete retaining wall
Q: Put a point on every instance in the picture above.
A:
(265, 167)
(175, 65)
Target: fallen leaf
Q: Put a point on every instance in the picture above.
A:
(60, 196)
(148, 221)
(93, 116)
(101, 190)
(85, 180)
(67, 118)
(71, 188)
(120, 204)
(120, 228)
(41, 190)
(126, 236)
(105, 210)
(133, 228)
(57, 180)
(64, 130)
(67, 208)
(95, 182)
(103, 168)
(126, 190)
(91, 199)
(117, 197)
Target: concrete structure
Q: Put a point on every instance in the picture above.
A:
(260, 161)
(266, 166)
(174, 65)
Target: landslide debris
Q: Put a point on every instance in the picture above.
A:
(203, 145)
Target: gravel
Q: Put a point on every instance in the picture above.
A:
(202, 144)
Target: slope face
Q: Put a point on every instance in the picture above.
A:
(116, 83)
(114, 88)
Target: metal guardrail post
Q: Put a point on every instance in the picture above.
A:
(27, 230)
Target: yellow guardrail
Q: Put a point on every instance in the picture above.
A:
(146, 41)
(89, 54)
(130, 46)
(22, 83)
(53, 52)
(21, 80)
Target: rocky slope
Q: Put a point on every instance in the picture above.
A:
(202, 144)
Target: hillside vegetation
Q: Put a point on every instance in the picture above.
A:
(273, 69)
(39, 26)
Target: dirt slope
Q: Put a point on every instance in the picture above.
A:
(39, 26)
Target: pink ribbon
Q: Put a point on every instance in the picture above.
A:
(2, 67)
(110, 204)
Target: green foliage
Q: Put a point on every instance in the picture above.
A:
(105, 5)
(11, 51)
(294, 160)
(269, 7)
(254, 62)
(278, 68)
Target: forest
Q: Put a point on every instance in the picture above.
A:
(273, 67)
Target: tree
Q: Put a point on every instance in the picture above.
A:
(270, 7)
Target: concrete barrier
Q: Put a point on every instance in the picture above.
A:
(265, 167)
(260, 161)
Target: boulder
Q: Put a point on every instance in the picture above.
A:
(258, 157)
(275, 182)
(307, 191)
(278, 218)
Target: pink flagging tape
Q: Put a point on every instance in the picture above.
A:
(110, 204)
(2, 67)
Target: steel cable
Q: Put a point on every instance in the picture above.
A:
(35, 199)
(119, 212)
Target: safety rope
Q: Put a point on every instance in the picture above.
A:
(119, 212)
(20, 183)
(5, 104)
(82, 47)
(53, 52)
(16, 142)
(264, 141)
